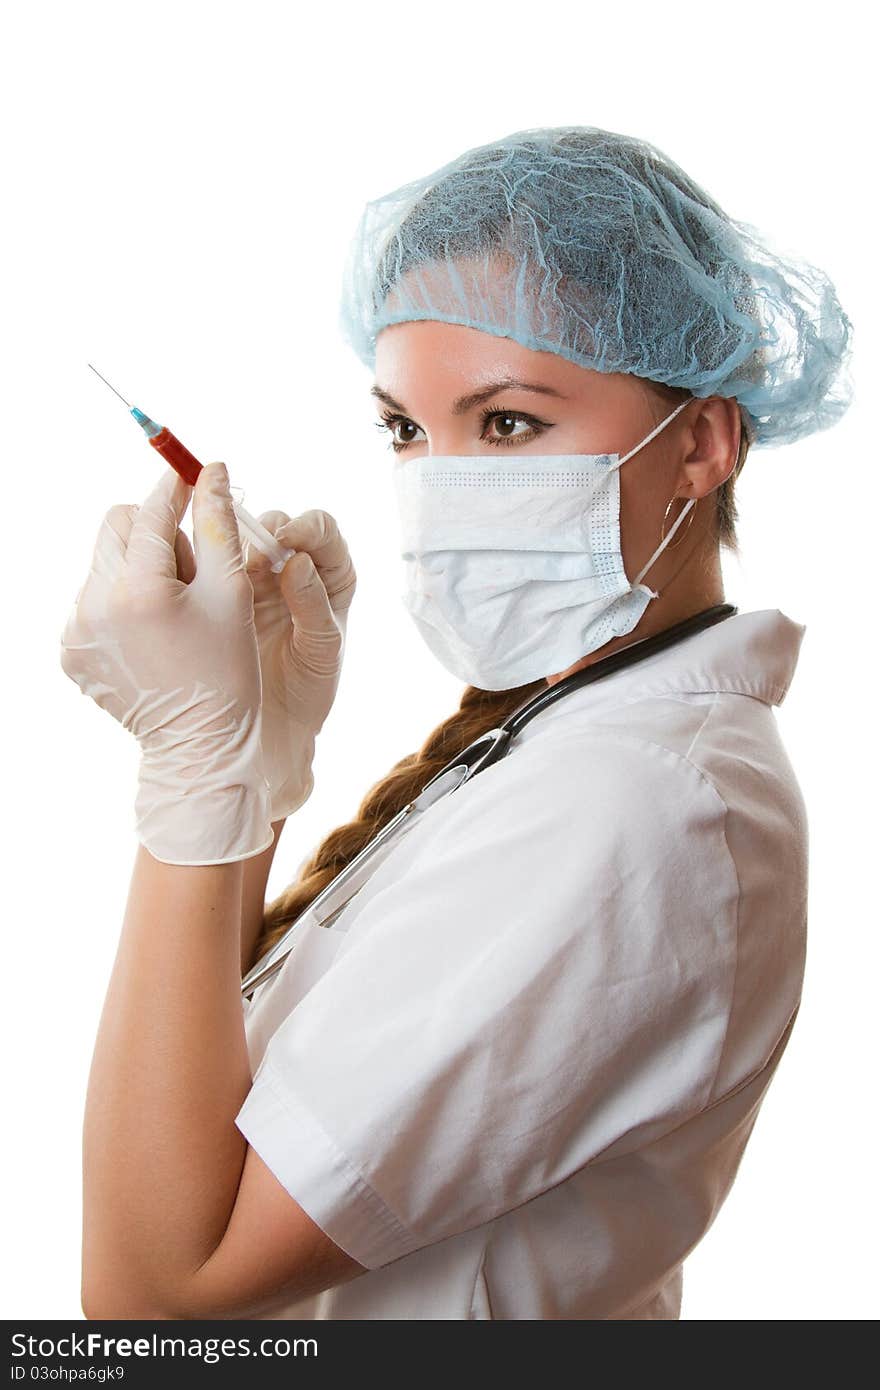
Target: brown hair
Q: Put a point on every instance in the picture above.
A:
(478, 711)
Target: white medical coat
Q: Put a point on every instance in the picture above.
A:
(515, 1079)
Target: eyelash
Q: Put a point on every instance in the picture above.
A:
(390, 419)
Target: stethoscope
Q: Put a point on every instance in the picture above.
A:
(489, 748)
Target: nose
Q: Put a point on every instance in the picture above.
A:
(449, 442)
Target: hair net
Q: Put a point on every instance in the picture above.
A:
(596, 246)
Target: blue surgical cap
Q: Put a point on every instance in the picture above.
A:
(596, 246)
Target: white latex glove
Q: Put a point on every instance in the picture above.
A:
(177, 664)
(300, 617)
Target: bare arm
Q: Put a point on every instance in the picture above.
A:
(255, 876)
(162, 1157)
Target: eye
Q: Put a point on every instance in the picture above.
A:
(507, 420)
(389, 422)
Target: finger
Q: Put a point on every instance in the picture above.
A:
(108, 559)
(186, 560)
(215, 528)
(108, 562)
(317, 532)
(316, 633)
(150, 549)
(257, 564)
(273, 521)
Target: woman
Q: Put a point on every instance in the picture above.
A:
(515, 1076)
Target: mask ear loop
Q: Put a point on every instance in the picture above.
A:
(684, 511)
(648, 437)
(641, 444)
(692, 502)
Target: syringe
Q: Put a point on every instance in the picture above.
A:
(189, 468)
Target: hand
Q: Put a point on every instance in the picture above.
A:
(176, 662)
(300, 617)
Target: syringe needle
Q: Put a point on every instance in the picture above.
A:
(188, 467)
(106, 383)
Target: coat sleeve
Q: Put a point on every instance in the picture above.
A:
(551, 974)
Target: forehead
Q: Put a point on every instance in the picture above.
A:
(453, 348)
(465, 316)
(426, 364)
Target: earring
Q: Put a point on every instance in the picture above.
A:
(673, 544)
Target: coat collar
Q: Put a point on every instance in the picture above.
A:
(752, 653)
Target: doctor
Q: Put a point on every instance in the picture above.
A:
(517, 1078)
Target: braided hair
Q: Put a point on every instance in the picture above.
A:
(479, 711)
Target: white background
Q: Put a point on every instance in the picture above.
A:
(181, 183)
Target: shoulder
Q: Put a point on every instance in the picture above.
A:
(730, 742)
(608, 782)
(598, 834)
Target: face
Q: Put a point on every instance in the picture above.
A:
(436, 388)
(425, 367)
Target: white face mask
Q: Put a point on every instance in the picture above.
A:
(513, 568)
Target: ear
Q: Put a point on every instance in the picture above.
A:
(716, 427)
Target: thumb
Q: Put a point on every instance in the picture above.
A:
(216, 538)
(150, 542)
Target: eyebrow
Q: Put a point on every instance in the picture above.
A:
(465, 403)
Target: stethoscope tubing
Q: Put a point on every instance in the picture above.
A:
(483, 752)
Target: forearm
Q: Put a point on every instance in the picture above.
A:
(255, 876)
(162, 1157)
